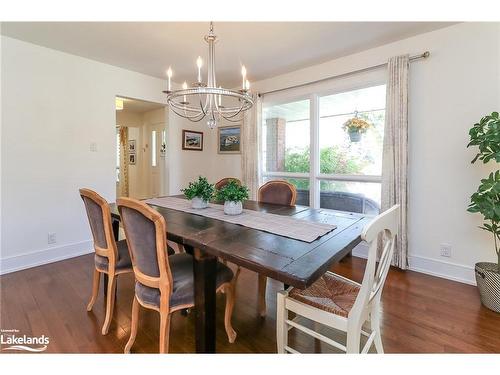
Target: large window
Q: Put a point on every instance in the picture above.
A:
(304, 142)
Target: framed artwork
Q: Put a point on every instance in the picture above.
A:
(131, 146)
(192, 140)
(131, 159)
(229, 140)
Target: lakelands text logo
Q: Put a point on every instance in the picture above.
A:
(11, 339)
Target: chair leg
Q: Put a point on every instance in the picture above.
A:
(164, 331)
(353, 339)
(133, 326)
(95, 289)
(110, 303)
(262, 295)
(281, 326)
(230, 291)
(375, 326)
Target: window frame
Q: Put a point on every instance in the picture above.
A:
(314, 95)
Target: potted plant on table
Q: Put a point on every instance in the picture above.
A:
(355, 127)
(486, 201)
(199, 192)
(232, 194)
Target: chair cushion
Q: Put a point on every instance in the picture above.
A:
(181, 266)
(123, 262)
(330, 293)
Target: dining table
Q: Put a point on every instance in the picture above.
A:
(293, 262)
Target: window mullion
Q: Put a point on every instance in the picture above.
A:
(314, 194)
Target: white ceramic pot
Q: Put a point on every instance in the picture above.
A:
(233, 208)
(197, 203)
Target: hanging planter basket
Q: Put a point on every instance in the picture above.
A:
(355, 127)
(354, 135)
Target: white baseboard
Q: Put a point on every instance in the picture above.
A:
(44, 256)
(434, 267)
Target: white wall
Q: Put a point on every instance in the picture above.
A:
(186, 165)
(449, 92)
(54, 105)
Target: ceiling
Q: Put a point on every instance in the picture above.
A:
(265, 48)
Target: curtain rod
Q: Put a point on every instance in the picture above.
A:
(424, 55)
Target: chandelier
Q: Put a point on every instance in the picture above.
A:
(205, 99)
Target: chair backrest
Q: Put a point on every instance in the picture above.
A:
(278, 192)
(99, 216)
(221, 183)
(385, 224)
(145, 231)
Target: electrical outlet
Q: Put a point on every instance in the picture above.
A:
(446, 250)
(51, 238)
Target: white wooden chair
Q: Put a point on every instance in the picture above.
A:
(340, 303)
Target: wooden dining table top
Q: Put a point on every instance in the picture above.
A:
(293, 262)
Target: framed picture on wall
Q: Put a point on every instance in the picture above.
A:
(192, 140)
(131, 159)
(131, 146)
(229, 140)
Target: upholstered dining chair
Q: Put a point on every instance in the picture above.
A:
(274, 192)
(163, 283)
(278, 192)
(111, 257)
(340, 303)
(223, 182)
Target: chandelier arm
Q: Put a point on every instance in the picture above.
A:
(190, 118)
(232, 119)
(185, 109)
(235, 114)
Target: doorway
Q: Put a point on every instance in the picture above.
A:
(141, 162)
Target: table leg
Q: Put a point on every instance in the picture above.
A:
(205, 273)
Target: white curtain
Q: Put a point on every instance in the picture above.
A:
(250, 150)
(395, 153)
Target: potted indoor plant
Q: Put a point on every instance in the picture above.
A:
(232, 194)
(486, 201)
(355, 127)
(199, 192)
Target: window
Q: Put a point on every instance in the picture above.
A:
(286, 142)
(153, 148)
(117, 154)
(318, 156)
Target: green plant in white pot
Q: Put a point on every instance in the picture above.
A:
(232, 194)
(486, 201)
(199, 192)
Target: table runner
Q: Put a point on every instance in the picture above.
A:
(286, 226)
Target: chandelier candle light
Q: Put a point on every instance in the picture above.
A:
(205, 99)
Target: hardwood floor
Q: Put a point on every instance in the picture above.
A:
(421, 314)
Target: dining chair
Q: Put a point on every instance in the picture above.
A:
(274, 192)
(278, 192)
(340, 303)
(111, 257)
(223, 182)
(163, 283)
